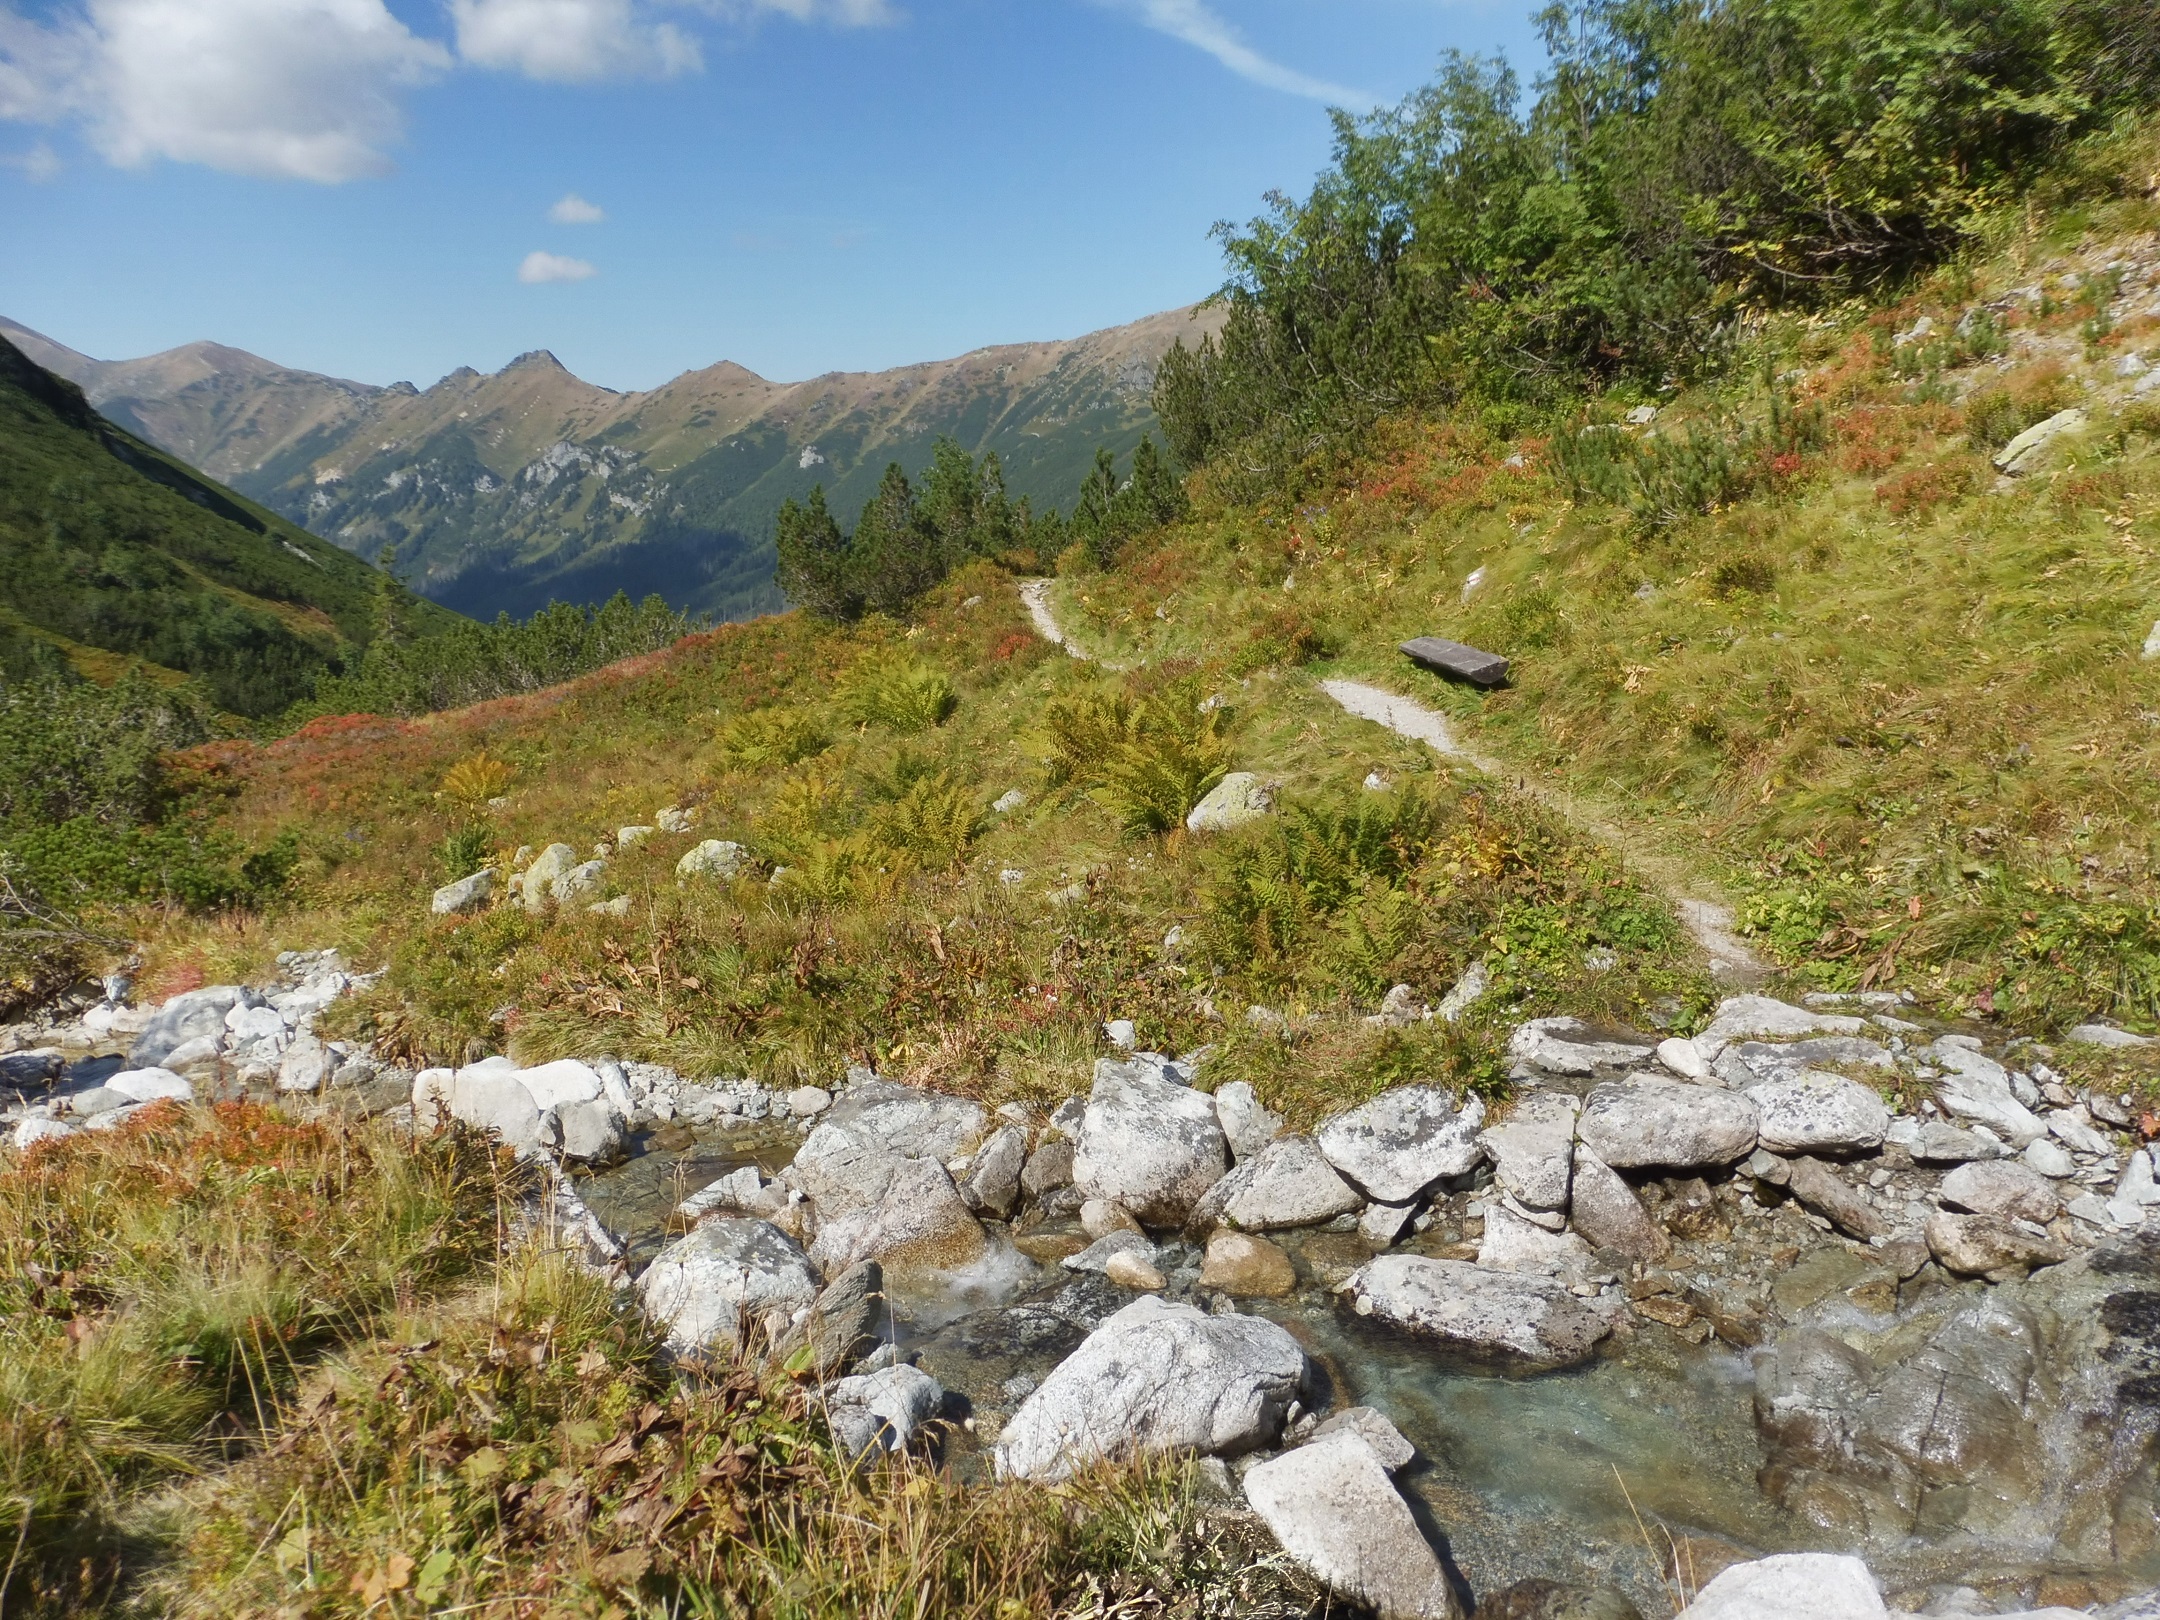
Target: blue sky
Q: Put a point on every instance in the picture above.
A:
(361, 188)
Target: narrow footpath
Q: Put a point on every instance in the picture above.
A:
(1708, 920)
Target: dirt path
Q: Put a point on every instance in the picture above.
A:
(1708, 920)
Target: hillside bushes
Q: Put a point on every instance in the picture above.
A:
(1683, 163)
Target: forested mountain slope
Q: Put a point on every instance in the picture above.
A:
(110, 546)
(504, 491)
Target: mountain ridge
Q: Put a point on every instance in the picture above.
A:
(502, 490)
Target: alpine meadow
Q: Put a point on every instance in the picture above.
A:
(1470, 934)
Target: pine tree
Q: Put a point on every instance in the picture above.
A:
(813, 566)
(1093, 519)
(894, 556)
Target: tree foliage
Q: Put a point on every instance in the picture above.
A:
(1681, 161)
(908, 537)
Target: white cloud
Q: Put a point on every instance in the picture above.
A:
(571, 41)
(294, 89)
(311, 89)
(38, 165)
(571, 209)
(542, 267)
(1192, 22)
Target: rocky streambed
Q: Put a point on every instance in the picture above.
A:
(1678, 1308)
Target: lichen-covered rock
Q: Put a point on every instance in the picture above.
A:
(1529, 1321)
(1570, 1046)
(1287, 1183)
(1150, 1146)
(1396, 1146)
(1156, 1377)
(1818, 1112)
(1247, 1124)
(993, 1180)
(1978, 1088)
(1333, 1509)
(533, 884)
(707, 1286)
(466, 894)
(714, 858)
(1742, 1018)
(1644, 1122)
(191, 1016)
(1533, 1151)
(2003, 1188)
(1239, 798)
(881, 1411)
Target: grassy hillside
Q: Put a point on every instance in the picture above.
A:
(108, 546)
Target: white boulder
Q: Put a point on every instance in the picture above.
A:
(1334, 1510)
(1156, 1377)
(1150, 1146)
(710, 1284)
(1403, 1141)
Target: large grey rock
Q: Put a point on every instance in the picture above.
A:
(1818, 1112)
(1247, 1124)
(466, 894)
(1239, 798)
(1570, 1046)
(1287, 1183)
(908, 1120)
(2025, 452)
(1790, 1586)
(1514, 1243)
(875, 1204)
(1396, 1146)
(1533, 1150)
(1375, 1430)
(580, 881)
(1530, 1321)
(1742, 1018)
(305, 1067)
(1644, 1122)
(489, 1096)
(531, 886)
(1605, 1212)
(1150, 1146)
(709, 1285)
(590, 1132)
(193, 1015)
(993, 1180)
(150, 1085)
(1156, 1377)
(1979, 1245)
(714, 858)
(881, 1411)
(1978, 1088)
(1938, 1143)
(1333, 1509)
(2003, 1188)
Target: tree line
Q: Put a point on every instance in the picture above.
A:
(912, 534)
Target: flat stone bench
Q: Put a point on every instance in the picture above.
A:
(1453, 658)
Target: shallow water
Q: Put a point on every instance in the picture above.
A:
(1589, 1476)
